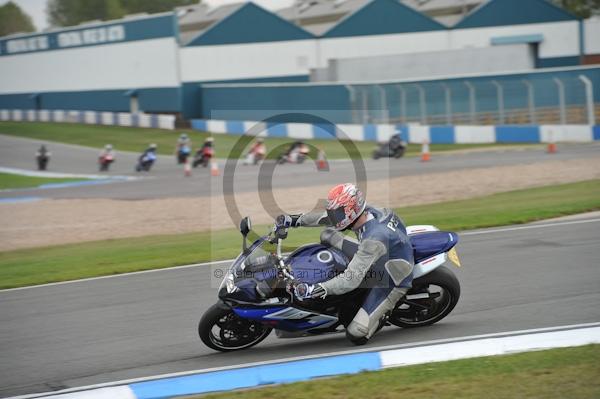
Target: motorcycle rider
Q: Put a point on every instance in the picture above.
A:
(147, 157)
(206, 148)
(257, 152)
(295, 153)
(106, 155)
(382, 258)
(395, 142)
(183, 148)
(43, 157)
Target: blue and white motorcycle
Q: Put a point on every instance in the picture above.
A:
(254, 297)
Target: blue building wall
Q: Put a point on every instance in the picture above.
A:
(133, 30)
(333, 101)
(154, 100)
(192, 93)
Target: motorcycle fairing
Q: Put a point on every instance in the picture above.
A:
(429, 244)
(315, 263)
(287, 318)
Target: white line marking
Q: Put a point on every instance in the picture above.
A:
(320, 355)
(83, 280)
(537, 226)
(166, 269)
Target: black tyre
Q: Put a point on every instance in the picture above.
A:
(440, 292)
(222, 330)
(376, 155)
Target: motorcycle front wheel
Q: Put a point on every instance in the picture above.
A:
(433, 297)
(222, 330)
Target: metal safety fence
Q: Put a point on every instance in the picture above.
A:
(480, 101)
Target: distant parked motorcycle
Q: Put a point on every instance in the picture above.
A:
(42, 157)
(395, 148)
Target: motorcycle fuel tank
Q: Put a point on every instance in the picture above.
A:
(316, 263)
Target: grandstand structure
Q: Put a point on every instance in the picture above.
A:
(360, 61)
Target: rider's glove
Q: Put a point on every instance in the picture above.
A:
(309, 291)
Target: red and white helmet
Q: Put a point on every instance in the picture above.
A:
(345, 203)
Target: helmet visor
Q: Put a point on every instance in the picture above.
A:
(336, 216)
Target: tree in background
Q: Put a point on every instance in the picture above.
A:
(73, 12)
(580, 8)
(13, 20)
(153, 6)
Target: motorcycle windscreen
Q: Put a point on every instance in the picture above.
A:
(336, 216)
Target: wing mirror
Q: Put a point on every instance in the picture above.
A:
(245, 226)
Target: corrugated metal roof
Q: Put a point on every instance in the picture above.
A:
(194, 20)
(241, 23)
(514, 12)
(318, 16)
(380, 17)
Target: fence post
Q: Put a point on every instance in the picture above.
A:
(500, 94)
(352, 93)
(422, 103)
(589, 99)
(471, 100)
(383, 102)
(365, 106)
(530, 100)
(402, 103)
(561, 100)
(448, 95)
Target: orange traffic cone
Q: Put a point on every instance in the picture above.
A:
(425, 156)
(187, 168)
(214, 168)
(551, 149)
(322, 163)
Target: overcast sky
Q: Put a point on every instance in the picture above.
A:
(36, 8)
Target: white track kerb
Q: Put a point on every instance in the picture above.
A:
(324, 365)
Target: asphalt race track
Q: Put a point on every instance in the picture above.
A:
(137, 325)
(167, 180)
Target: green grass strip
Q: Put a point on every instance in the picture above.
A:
(137, 139)
(9, 180)
(67, 262)
(556, 373)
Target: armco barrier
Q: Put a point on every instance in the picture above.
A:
(412, 133)
(326, 365)
(158, 121)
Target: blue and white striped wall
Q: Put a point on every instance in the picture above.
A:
(411, 133)
(327, 365)
(90, 117)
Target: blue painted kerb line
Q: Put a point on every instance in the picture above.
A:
(300, 370)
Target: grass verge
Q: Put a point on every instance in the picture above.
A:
(68, 262)
(556, 373)
(137, 139)
(9, 180)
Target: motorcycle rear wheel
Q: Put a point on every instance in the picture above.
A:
(443, 289)
(222, 330)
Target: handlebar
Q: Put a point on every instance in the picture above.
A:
(278, 234)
